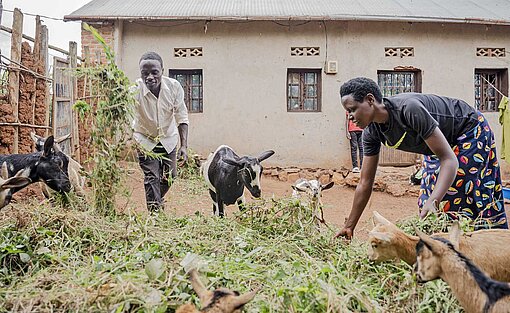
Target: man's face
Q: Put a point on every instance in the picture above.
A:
(151, 72)
(361, 113)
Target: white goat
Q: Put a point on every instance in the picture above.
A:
(19, 180)
(313, 189)
(387, 241)
(476, 292)
(221, 300)
(74, 169)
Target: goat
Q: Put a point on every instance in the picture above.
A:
(226, 175)
(476, 292)
(221, 300)
(49, 166)
(19, 180)
(77, 180)
(313, 189)
(387, 241)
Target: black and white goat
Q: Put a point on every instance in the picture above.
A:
(226, 175)
(19, 180)
(49, 166)
(313, 189)
(74, 169)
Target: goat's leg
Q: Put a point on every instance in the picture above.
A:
(215, 203)
(241, 203)
(220, 205)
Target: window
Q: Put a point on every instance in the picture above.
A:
(192, 83)
(395, 82)
(489, 84)
(303, 90)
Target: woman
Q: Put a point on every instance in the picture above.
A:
(461, 172)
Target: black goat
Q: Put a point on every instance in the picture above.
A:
(226, 175)
(49, 166)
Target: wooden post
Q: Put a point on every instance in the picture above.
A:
(73, 64)
(1, 11)
(17, 33)
(37, 40)
(44, 60)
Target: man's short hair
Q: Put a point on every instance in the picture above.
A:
(151, 56)
(359, 87)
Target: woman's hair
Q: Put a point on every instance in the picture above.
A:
(151, 56)
(359, 87)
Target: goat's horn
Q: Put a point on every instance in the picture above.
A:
(62, 138)
(244, 298)
(35, 137)
(197, 285)
(381, 219)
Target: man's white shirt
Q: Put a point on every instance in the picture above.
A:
(156, 119)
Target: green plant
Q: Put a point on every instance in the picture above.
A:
(110, 121)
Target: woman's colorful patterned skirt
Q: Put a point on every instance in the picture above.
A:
(476, 192)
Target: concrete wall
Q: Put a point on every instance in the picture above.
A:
(245, 69)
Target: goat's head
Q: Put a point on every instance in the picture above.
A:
(380, 238)
(312, 187)
(249, 170)
(52, 167)
(19, 180)
(221, 300)
(429, 256)
(39, 140)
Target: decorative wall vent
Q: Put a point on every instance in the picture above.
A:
(304, 51)
(187, 52)
(490, 52)
(399, 52)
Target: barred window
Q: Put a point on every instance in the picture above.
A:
(489, 84)
(192, 83)
(395, 82)
(303, 90)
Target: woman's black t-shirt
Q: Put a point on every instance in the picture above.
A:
(417, 115)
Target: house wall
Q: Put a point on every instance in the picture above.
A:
(245, 69)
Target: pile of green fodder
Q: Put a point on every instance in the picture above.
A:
(58, 259)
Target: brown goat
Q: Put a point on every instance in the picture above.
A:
(486, 248)
(221, 300)
(476, 292)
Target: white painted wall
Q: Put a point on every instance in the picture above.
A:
(245, 69)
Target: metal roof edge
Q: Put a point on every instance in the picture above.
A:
(374, 18)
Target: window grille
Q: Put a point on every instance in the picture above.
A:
(192, 83)
(490, 52)
(304, 51)
(399, 52)
(488, 85)
(188, 52)
(303, 90)
(395, 82)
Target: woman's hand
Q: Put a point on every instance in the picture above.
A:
(431, 206)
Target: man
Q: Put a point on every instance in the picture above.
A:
(160, 120)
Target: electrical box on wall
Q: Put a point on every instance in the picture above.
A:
(331, 67)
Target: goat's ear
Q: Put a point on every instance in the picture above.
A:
(327, 186)
(15, 182)
(244, 298)
(4, 172)
(380, 219)
(264, 155)
(62, 138)
(199, 287)
(298, 188)
(384, 237)
(433, 245)
(454, 234)
(232, 162)
(48, 147)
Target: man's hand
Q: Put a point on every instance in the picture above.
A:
(431, 206)
(182, 155)
(348, 135)
(345, 232)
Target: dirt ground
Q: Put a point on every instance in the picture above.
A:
(186, 198)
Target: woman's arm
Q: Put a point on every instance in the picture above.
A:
(448, 171)
(361, 196)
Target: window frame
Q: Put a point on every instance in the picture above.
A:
(501, 84)
(188, 87)
(302, 85)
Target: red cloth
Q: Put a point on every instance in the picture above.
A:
(352, 126)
